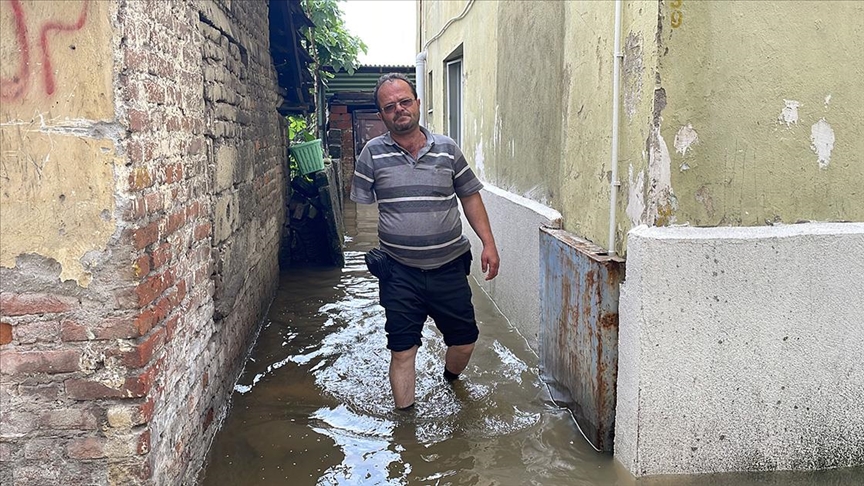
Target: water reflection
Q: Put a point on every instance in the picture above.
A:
(313, 406)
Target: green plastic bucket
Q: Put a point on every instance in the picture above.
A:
(309, 155)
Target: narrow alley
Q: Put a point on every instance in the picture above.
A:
(313, 405)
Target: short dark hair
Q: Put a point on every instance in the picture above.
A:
(389, 78)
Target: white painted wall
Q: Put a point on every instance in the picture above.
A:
(741, 349)
(516, 223)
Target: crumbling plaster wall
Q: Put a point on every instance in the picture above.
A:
(757, 124)
(142, 201)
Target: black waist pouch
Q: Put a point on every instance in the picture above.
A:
(378, 263)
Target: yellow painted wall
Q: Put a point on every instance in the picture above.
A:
(758, 83)
(57, 171)
(753, 79)
(479, 83)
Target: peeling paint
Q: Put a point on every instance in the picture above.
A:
(827, 100)
(478, 161)
(822, 142)
(662, 201)
(789, 114)
(636, 197)
(633, 68)
(685, 137)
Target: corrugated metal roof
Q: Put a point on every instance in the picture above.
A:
(363, 79)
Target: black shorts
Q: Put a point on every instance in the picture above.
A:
(409, 295)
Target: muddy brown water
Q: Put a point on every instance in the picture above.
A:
(313, 405)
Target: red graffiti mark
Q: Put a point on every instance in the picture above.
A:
(14, 87)
(43, 41)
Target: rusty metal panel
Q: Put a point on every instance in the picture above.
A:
(578, 337)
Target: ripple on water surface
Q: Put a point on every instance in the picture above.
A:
(313, 406)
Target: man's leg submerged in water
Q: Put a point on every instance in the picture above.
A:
(456, 360)
(403, 376)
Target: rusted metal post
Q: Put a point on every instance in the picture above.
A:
(578, 338)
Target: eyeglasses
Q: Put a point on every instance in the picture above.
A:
(405, 104)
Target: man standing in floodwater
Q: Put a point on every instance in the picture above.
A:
(416, 176)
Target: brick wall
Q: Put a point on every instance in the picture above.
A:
(340, 119)
(124, 380)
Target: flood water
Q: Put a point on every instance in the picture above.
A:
(313, 405)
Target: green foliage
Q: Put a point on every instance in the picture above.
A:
(298, 129)
(330, 43)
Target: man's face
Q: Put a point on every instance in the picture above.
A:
(399, 109)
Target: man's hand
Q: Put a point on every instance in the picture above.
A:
(475, 212)
(489, 261)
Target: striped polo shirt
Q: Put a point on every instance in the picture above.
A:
(418, 215)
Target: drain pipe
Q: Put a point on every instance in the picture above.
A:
(420, 82)
(614, 183)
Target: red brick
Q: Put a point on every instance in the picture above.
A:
(133, 387)
(153, 203)
(173, 124)
(27, 304)
(175, 221)
(173, 173)
(193, 210)
(338, 109)
(86, 448)
(171, 327)
(141, 353)
(5, 333)
(162, 255)
(20, 362)
(135, 152)
(202, 231)
(181, 292)
(138, 120)
(135, 60)
(106, 329)
(142, 237)
(155, 93)
(141, 267)
(143, 444)
(146, 320)
(151, 288)
(80, 389)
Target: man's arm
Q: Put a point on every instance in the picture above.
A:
(363, 182)
(475, 213)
